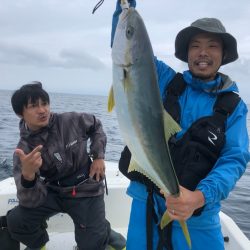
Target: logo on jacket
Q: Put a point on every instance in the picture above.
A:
(71, 144)
(212, 139)
(58, 157)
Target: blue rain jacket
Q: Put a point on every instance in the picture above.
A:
(197, 101)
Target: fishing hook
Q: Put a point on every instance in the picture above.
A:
(97, 6)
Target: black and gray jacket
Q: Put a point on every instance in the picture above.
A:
(64, 155)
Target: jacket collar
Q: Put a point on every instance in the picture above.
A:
(222, 83)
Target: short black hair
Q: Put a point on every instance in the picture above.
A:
(28, 93)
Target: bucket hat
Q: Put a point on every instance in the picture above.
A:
(210, 25)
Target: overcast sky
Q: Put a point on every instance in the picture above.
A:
(61, 44)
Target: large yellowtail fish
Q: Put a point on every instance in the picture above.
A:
(145, 126)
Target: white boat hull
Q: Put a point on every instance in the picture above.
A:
(60, 226)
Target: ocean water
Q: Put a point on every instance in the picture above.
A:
(237, 205)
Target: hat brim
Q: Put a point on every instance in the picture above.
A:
(184, 36)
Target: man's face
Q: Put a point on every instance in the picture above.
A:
(205, 52)
(36, 115)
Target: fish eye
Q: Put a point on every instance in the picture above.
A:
(129, 32)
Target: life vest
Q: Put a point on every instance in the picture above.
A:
(195, 154)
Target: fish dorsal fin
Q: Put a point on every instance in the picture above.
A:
(111, 99)
(171, 127)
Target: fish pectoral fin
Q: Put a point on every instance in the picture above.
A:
(170, 125)
(186, 233)
(111, 99)
(126, 82)
(165, 220)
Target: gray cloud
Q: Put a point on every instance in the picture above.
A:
(14, 54)
(68, 59)
(239, 71)
(75, 59)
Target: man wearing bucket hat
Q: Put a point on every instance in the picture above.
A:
(211, 26)
(210, 153)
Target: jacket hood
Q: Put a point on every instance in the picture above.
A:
(222, 83)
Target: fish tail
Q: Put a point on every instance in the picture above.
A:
(186, 233)
(165, 220)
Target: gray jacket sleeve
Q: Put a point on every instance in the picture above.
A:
(98, 139)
